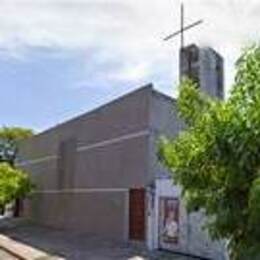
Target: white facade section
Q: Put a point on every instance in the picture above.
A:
(193, 240)
(163, 188)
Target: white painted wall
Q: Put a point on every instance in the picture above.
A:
(164, 188)
(192, 239)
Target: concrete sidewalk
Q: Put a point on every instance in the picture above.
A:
(31, 242)
(21, 251)
(6, 256)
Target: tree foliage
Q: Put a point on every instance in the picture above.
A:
(14, 184)
(216, 159)
(15, 133)
(9, 137)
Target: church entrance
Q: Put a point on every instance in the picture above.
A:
(137, 214)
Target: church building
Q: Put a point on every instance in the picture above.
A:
(99, 173)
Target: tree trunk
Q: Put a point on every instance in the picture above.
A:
(17, 208)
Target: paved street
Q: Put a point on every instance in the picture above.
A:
(65, 245)
(6, 256)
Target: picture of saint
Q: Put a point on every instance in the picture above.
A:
(169, 230)
(171, 227)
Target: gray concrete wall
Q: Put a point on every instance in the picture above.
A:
(120, 165)
(79, 165)
(211, 73)
(93, 213)
(164, 121)
(125, 115)
(112, 162)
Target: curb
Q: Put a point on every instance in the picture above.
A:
(21, 251)
(14, 254)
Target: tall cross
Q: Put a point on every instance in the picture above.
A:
(183, 28)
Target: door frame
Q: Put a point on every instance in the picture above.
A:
(130, 237)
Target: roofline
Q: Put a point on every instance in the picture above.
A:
(147, 86)
(163, 95)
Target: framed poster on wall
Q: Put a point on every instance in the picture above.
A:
(168, 222)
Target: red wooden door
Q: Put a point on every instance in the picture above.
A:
(137, 214)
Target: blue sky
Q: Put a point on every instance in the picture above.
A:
(60, 58)
(48, 86)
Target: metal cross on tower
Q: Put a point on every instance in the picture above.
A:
(183, 28)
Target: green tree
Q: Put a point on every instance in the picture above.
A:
(9, 138)
(14, 183)
(216, 159)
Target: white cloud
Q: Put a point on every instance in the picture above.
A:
(132, 72)
(128, 31)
